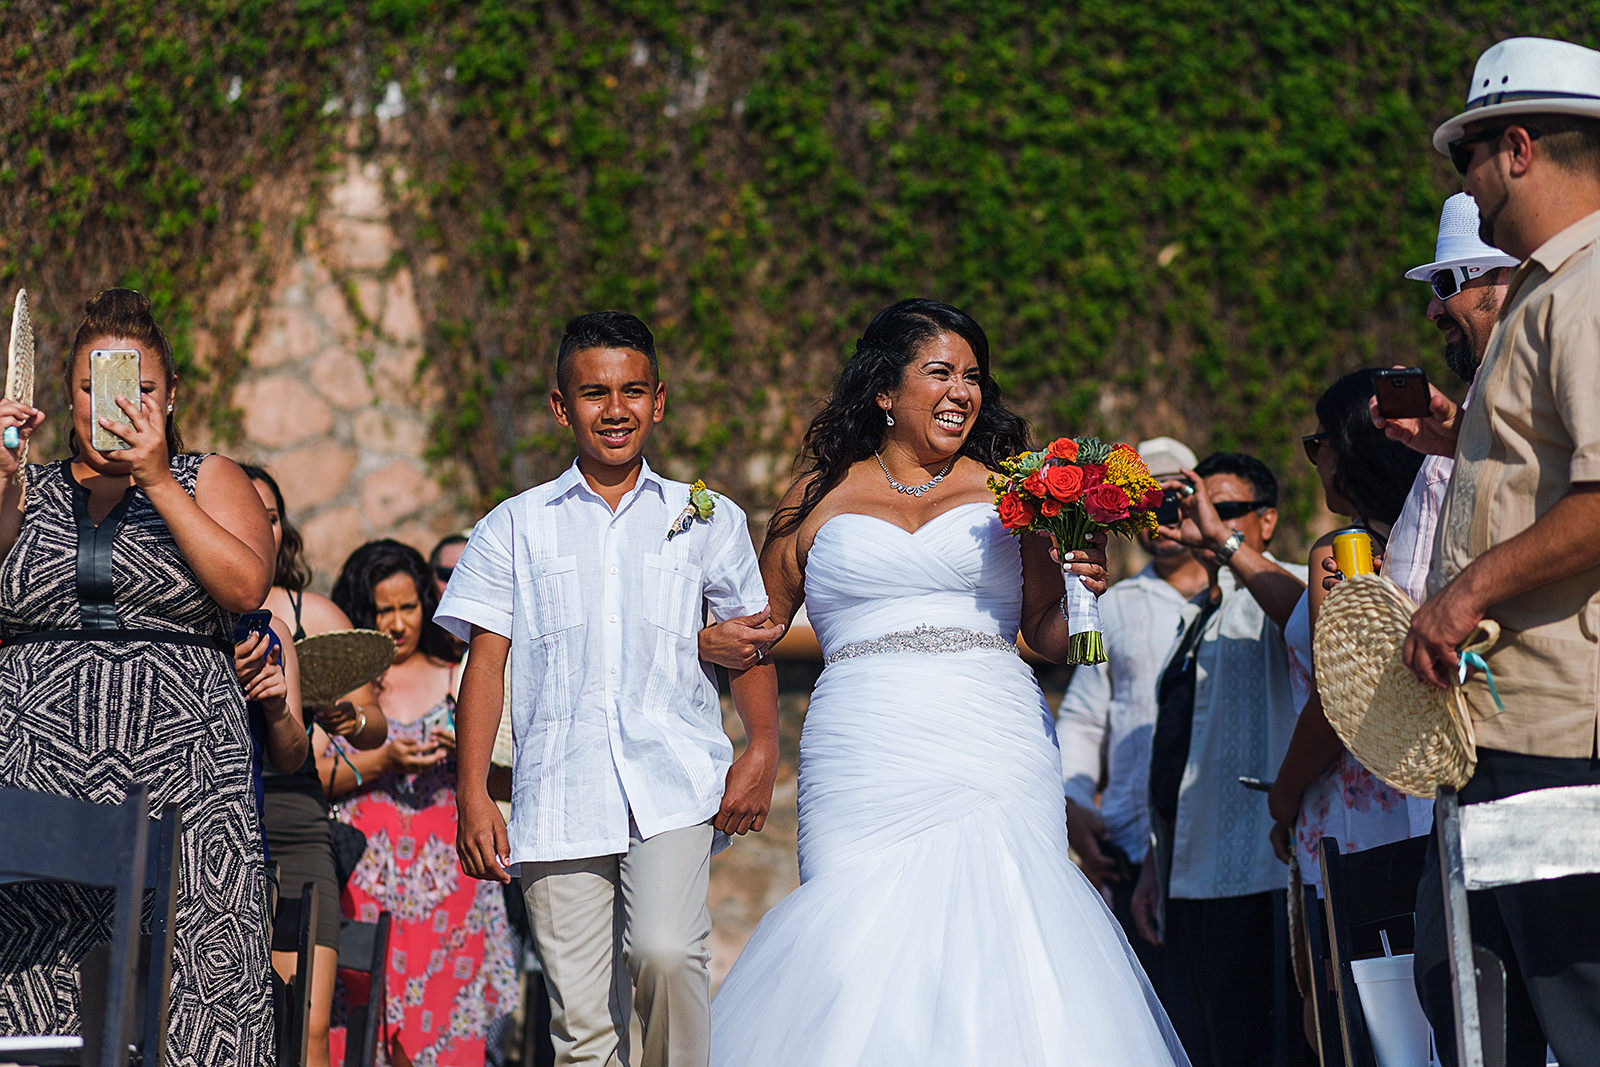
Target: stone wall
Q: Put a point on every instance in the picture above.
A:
(336, 397)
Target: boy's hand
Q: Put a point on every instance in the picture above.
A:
(741, 642)
(748, 795)
(481, 840)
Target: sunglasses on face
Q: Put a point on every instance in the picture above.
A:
(1461, 148)
(443, 573)
(1238, 509)
(1448, 281)
(1312, 442)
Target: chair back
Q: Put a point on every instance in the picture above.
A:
(300, 915)
(1528, 837)
(63, 839)
(364, 948)
(1364, 893)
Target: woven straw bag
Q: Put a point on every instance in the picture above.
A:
(334, 663)
(1413, 736)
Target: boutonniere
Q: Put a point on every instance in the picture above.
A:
(702, 503)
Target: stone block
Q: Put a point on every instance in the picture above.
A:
(330, 537)
(394, 376)
(398, 490)
(287, 335)
(369, 298)
(359, 245)
(341, 378)
(281, 410)
(359, 194)
(314, 474)
(328, 301)
(402, 318)
(379, 432)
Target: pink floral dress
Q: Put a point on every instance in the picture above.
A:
(451, 970)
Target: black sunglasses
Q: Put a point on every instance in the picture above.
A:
(1238, 509)
(1312, 442)
(443, 573)
(1461, 148)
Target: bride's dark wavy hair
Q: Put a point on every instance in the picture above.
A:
(851, 427)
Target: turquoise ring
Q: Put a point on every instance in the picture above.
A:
(11, 438)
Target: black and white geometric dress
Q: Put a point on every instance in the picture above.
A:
(151, 697)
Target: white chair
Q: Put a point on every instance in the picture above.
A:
(1529, 837)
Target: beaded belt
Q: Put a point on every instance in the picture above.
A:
(923, 639)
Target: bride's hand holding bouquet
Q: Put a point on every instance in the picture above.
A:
(1073, 490)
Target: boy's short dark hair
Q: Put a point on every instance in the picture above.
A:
(604, 329)
(1249, 468)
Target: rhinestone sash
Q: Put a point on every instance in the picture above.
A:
(923, 639)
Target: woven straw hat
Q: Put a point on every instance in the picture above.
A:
(334, 663)
(1413, 736)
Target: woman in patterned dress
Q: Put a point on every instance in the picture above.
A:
(122, 572)
(451, 971)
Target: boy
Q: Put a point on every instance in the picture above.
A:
(622, 772)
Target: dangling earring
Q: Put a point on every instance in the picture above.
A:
(888, 419)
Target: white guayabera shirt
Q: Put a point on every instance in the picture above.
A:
(612, 710)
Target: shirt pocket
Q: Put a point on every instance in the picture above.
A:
(672, 595)
(552, 593)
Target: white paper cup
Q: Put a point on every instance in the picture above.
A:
(1399, 1030)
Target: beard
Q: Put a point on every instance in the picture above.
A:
(1461, 359)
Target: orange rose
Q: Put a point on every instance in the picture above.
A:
(1016, 513)
(1064, 482)
(1035, 485)
(1063, 448)
(1049, 507)
(1106, 503)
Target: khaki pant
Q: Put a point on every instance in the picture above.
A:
(645, 910)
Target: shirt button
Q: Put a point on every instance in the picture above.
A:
(613, 570)
(613, 618)
(613, 670)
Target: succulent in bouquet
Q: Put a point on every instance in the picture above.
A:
(1070, 489)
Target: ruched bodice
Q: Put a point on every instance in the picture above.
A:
(866, 577)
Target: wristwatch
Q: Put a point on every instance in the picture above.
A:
(1226, 550)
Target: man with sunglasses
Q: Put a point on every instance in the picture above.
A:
(1469, 281)
(1516, 540)
(1225, 711)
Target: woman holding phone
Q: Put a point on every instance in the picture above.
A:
(122, 571)
(451, 967)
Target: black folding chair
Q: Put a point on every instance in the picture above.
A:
(44, 837)
(297, 914)
(1529, 837)
(1365, 893)
(364, 948)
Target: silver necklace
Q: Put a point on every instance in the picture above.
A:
(914, 490)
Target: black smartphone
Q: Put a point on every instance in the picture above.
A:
(252, 622)
(1402, 393)
(1254, 783)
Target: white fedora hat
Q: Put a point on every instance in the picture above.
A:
(1528, 76)
(1459, 244)
(1166, 457)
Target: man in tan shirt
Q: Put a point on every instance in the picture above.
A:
(1517, 534)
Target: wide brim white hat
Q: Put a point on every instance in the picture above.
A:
(1527, 76)
(1166, 457)
(1459, 244)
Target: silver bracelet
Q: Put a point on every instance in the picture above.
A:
(1064, 607)
(1226, 550)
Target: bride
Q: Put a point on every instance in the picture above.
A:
(938, 919)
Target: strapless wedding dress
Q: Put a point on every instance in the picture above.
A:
(939, 922)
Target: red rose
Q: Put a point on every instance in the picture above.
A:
(1152, 498)
(1106, 503)
(1049, 507)
(1063, 448)
(1065, 482)
(1016, 513)
(1035, 485)
(1094, 474)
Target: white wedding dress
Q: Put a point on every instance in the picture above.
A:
(939, 922)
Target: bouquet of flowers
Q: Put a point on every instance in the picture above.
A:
(1076, 486)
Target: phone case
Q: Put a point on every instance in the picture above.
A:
(112, 373)
(1402, 396)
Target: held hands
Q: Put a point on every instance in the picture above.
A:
(481, 841)
(1434, 435)
(146, 433)
(741, 642)
(22, 420)
(1088, 563)
(747, 797)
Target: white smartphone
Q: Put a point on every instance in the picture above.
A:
(113, 372)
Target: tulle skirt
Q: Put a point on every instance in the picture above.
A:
(939, 920)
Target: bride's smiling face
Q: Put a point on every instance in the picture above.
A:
(936, 403)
